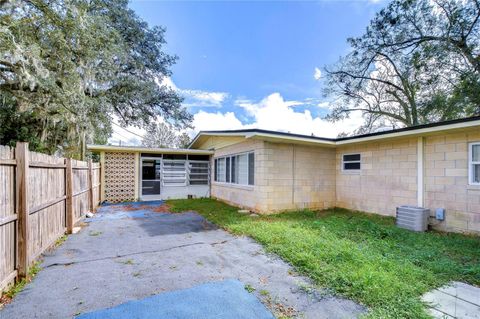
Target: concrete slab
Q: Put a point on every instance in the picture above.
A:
(133, 251)
(455, 300)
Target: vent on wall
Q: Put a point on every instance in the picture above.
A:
(412, 218)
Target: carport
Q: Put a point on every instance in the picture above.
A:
(140, 173)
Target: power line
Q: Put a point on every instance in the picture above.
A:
(128, 130)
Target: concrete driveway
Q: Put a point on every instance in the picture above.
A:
(133, 251)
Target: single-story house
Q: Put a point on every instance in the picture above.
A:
(434, 166)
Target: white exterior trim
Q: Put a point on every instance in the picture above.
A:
(312, 140)
(411, 132)
(471, 163)
(112, 148)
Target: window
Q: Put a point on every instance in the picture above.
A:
(474, 164)
(198, 172)
(235, 169)
(221, 170)
(351, 162)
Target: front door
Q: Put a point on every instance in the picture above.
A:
(151, 176)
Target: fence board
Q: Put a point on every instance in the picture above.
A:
(44, 200)
(8, 215)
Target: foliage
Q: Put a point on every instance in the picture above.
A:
(361, 256)
(164, 135)
(20, 285)
(417, 62)
(67, 68)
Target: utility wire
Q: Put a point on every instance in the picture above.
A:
(128, 130)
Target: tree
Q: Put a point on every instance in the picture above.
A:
(415, 64)
(160, 135)
(183, 140)
(70, 67)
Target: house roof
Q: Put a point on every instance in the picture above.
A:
(299, 138)
(141, 149)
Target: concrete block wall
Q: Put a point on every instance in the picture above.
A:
(241, 195)
(286, 177)
(289, 177)
(298, 177)
(387, 179)
(446, 180)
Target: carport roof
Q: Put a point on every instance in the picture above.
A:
(141, 149)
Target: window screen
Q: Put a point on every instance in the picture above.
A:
(351, 162)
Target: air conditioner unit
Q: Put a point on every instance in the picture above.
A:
(412, 218)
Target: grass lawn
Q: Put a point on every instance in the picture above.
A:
(361, 256)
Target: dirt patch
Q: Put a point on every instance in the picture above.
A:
(164, 208)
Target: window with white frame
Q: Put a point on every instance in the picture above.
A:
(474, 163)
(351, 162)
(235, 169)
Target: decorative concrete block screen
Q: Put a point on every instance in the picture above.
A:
(119, 177)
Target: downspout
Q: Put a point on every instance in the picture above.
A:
(420, 171)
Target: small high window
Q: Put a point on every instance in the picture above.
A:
(351, 162)
(474, 164)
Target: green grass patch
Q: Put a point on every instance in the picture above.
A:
(360, 256)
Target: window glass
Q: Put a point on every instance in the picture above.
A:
(215, 171)
(476, 173)
(227, 179)
(349, 166)
(476, 153)
(233, 177)
(221, 170)
(236, 169)
(351, 157)
(351, 162)
(242, 169)
(251, 168)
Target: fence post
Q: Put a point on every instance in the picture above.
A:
(90, 183)
(69, 191)
(22, 157)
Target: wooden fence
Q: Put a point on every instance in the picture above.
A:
(41, 198)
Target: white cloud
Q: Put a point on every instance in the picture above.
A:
(197, 98)
(204, 121)
(317, 75)
(274, 113)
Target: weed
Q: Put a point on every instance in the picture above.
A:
(249, 288)
(264, 292)
(95, 233)
(18, 287)
(199, 263)
(60, 240)
(127, 262)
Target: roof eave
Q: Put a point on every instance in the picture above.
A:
(112, 148)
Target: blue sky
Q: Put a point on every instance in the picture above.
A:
(253, 64)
